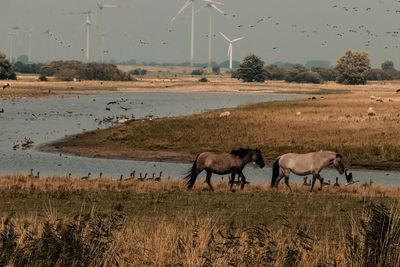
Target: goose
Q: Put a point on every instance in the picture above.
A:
(37, 176)
(158, 178)
(86, 177)
(337, 183)
(101, 175)
(31, 175)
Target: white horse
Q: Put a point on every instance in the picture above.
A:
(305, 164)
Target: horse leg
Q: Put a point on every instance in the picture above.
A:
(280, 177)
(313, 182)
(232, 181)
(321, 181)
(287, 182)
(208, 180)
(243, 180)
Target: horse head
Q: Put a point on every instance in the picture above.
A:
(258, 158)
(338, 163)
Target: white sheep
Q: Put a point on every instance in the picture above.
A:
(371, 112)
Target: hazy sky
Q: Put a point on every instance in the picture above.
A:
(290, 30)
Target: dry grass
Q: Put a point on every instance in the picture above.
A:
(135, 223)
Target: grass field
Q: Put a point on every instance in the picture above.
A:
(334, 122)
(160, 223)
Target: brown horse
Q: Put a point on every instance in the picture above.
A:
(223, 163)
(305, 164)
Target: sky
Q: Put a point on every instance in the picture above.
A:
(276, 30)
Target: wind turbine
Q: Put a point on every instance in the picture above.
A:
(188, 3)
(29, 46)
(101, 7)
(49, 34)
(230, 49)
(211, 4)
(11, 55)
(88, 24)
(14, 44)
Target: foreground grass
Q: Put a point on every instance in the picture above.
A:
(339, 123)
(160, 223)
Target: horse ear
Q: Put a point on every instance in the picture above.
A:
(339, 156)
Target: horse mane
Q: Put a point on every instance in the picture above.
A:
(241, 152)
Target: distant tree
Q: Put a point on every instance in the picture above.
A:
(285, 65)
(326, 74)
(273, 72)
(317, 64)
(387, 65)
(378, 75)
(353, 68)
(251, 70)
(6, 69)
(23, 59)
(293, 73)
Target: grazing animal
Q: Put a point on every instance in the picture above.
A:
(223, 163)
(371, 112)
(224, 114)
(305, 164)
(86, 177)
(6, 85)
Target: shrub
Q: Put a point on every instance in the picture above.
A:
(251, 70)
(353, 68)
(84, 71)
(6, 69)
(273, 72)
(43, 78)
(326, 74)
(197, 72)
(378, 75)
(141, 72)
(216, 70)
(27, 68)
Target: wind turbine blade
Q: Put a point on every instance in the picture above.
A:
(219, 10)
(188, 2)
(110, 6)
(237, 39)
(226, 38)
(229, 50)
(213, 2)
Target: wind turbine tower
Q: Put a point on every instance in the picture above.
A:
(88, 24)
(101, 7)
(211, 4)
(230, 49)
(188, 3)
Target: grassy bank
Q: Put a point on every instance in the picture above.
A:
(160, 223)
(338, 122)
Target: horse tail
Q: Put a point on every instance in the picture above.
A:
(275, 172)
(191, 174)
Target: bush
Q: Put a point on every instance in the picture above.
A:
(197, 72)
(353, 68)
(326, 74)
(67, 70)
(216, 70)
(251, 70)
(378, 75)
(273, 72)
(141, 72)
(43, 78)
(6, 69)
(27, 68)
